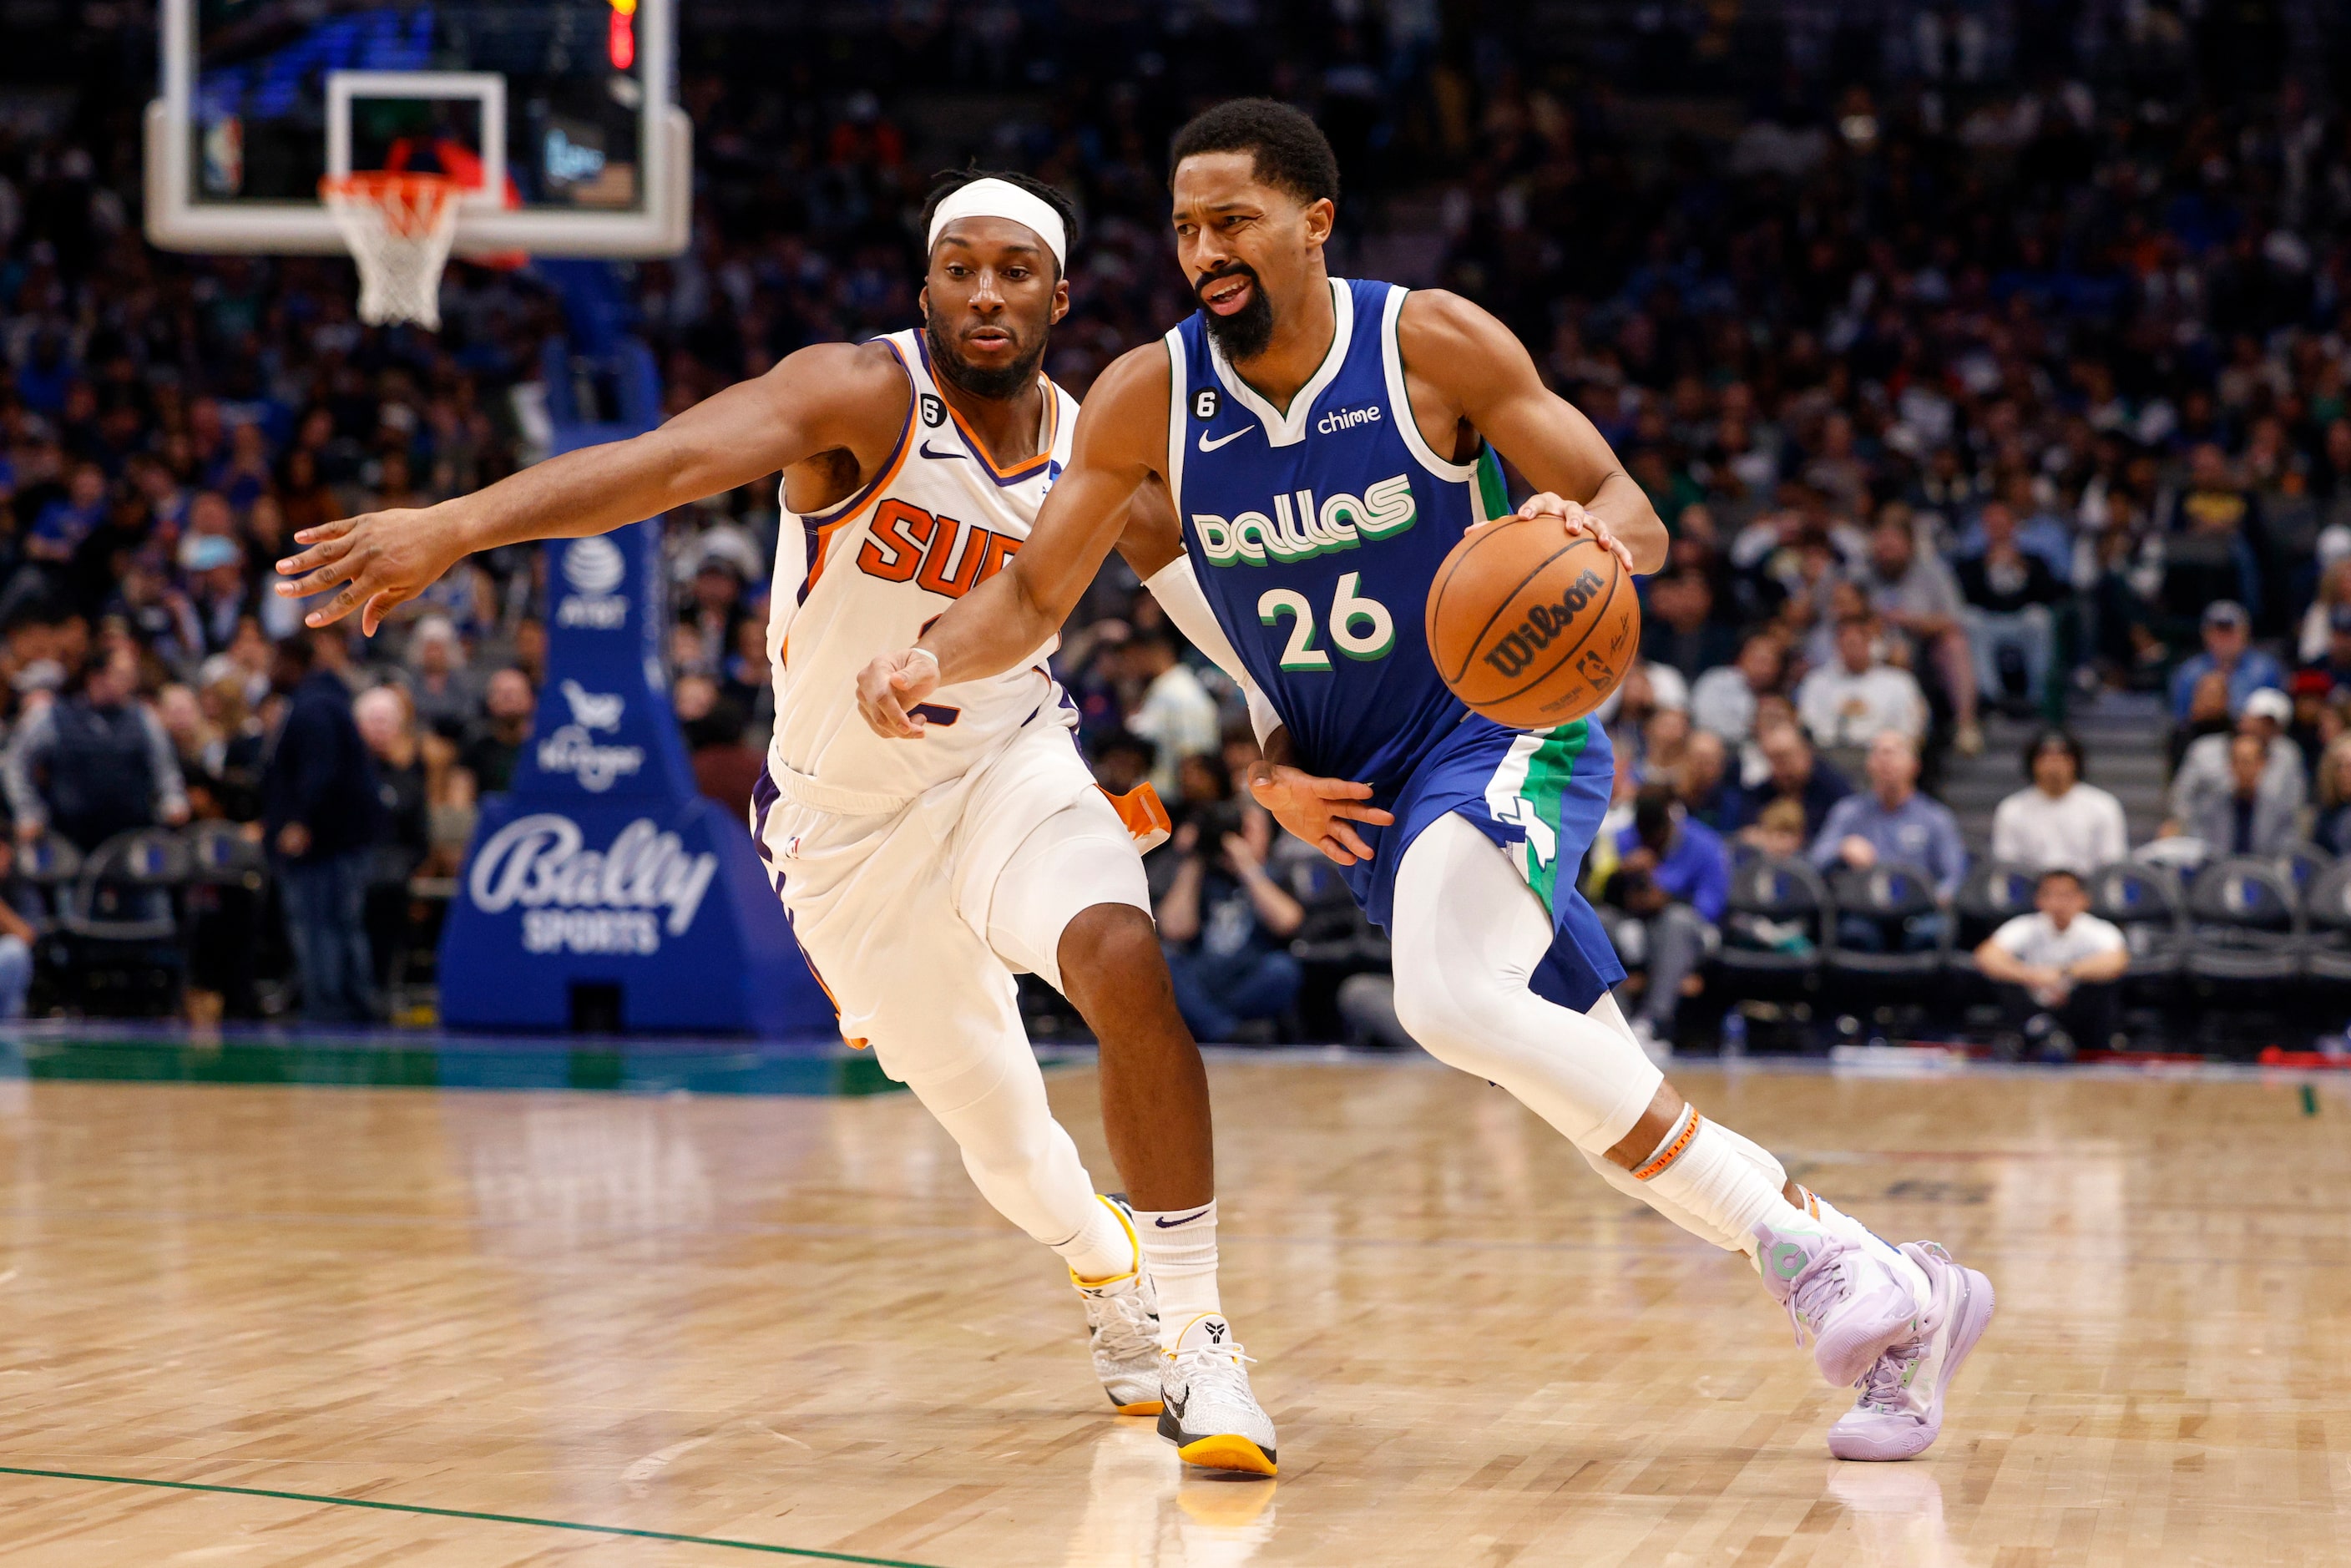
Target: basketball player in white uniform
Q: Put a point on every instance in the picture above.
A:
(918, 882)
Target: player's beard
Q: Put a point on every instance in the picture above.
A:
(1244, 334)
(978, 380)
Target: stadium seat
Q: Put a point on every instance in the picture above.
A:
(221, 854)
(2146, 903)
(2326, 937)
(2245, 925)
(118, 925)
(1888, 893)
(2303, 865)
(1775, 928)
(1994, 893)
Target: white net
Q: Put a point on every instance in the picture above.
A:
(399, 228)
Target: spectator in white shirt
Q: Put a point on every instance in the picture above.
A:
(2060, 824)
(1176, 715)
(2056, 969)
(1852, 701)
(1722, 700)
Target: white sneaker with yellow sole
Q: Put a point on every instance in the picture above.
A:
(1208, 1410)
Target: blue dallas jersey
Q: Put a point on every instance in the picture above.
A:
(1316, 535)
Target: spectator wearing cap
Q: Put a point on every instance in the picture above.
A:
(2228, 653)
(2060, 823)
(1892, 821)
(2206, 773)
(216, 576)
(2333, 664)
(1859, 696)
(321, 817)
(96, 763)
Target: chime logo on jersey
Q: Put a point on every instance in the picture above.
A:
(1300, 528)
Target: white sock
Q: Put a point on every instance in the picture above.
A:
(1103, 1249)
(1180, 1246)
(1620, 1179)
(1838, 1223)
(1699, 1171)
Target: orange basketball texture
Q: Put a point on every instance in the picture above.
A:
(1531, 625)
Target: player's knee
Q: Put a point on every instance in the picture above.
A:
(1447, 1013)
(1111, 950)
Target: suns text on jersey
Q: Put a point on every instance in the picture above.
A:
(909, 543)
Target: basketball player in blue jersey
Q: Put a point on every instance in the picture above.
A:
(1325, 444)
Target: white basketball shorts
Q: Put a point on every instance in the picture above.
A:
(915, 920)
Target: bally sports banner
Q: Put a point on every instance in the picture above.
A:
(603, 872)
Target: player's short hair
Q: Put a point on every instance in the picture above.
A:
(2059, 874)
(947, 181)
(1285, 147)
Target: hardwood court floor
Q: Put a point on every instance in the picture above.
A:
(788, 1329)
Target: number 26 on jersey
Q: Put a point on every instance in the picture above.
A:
(1360, 628)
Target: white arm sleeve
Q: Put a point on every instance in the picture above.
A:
(1178, 593)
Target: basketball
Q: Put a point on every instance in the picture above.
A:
(1531, 625)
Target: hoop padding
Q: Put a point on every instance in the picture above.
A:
(399, 228)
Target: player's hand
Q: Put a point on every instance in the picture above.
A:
(381, 559)
(1318, 810)
(888, 687)
(1576, 520)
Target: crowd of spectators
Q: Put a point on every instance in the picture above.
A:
(1989, 359)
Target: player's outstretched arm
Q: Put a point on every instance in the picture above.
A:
(832, 397)
(1460, 361)
(1120, 441)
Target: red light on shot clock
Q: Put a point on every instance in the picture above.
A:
(620, 41)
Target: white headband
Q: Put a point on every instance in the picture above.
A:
(1002, 199)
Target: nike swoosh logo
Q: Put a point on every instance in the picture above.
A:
(1164, 1223)
(928, 453)
(1208, 445)
(1176, 1405)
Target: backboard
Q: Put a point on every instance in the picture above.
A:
(560, 115)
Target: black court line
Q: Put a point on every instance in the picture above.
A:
(773, 1551)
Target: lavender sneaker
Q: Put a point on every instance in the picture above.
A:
(1854, 1304)
(1900, 1411)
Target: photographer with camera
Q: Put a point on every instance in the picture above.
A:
(1226, 924)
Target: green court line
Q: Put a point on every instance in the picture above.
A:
(803, 1552)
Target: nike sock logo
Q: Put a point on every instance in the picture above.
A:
(1164, 1223)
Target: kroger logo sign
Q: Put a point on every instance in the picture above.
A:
(621, 899)
(572, 749)
(594, 567)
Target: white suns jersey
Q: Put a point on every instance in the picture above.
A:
(867, 576)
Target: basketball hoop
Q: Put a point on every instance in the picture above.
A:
(399, 228)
